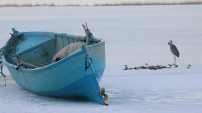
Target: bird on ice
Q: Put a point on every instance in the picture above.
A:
(174, 50)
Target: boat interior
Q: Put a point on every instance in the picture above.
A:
(37, 49)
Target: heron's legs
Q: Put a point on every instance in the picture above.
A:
(174, 61)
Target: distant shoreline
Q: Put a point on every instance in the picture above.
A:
(106, 4)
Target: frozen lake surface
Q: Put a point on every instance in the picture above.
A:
(134, 35)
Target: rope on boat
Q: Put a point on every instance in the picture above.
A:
(1, 72)
(89, 63)
(10, 47)
(8, 50)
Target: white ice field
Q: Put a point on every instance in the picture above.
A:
(134, 35)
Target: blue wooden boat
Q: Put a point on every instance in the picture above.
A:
(29, 59)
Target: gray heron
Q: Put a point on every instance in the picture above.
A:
(174, 50)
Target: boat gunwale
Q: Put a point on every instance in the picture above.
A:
(65, 35)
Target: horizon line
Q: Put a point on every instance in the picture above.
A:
(105, 4)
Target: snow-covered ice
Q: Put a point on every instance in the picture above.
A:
(134, 35)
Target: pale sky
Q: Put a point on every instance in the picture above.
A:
(83, 2)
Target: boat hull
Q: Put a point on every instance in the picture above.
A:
(68, 77)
